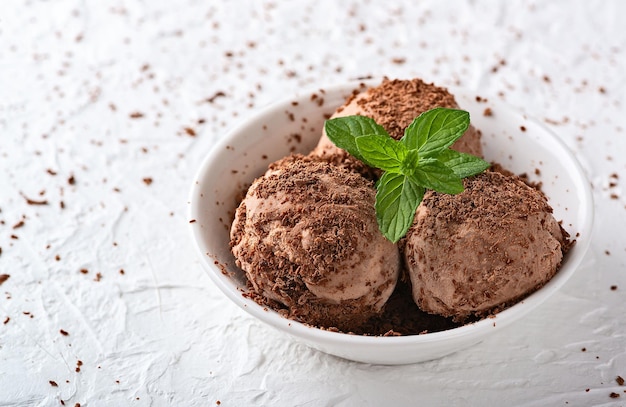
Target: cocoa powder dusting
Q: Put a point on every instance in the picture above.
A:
(491, 209)
(395, 103)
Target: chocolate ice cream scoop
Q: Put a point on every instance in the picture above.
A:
(307, 238)
(394, 104)
(478, 251)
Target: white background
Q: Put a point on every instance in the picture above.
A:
(98, 97)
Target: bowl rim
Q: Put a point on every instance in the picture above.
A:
(311, 333)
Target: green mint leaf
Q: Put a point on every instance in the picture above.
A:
(382, 152)
(435, 130)
(463, 165)
(344, 130)
(414, 137)
(433, 174)
(421, 159)
(410, 161)
(397, 199)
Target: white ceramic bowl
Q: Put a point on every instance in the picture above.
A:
(295, 124)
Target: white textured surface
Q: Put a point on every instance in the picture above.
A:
(72, 73)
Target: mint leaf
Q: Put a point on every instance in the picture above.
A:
(410, 161)
(397, 199)
(421, 159)
(433, 174)
(343, 131)
(435, 130)
(382, 152)
(463, 165)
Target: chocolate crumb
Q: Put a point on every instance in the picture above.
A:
(84, 271)
(192, 221)
(63, 332)
(608, 253)
(613, 287)
(34, 202)
(4, 277)
(71, 180)
(98, 277)
(53, 383)
(584, 350)
(190, 132)
(136, 115)
(215, 96)
(6, 320)
(488, 112)
(522, 128)
(147, 180)
(619, 380)
(122, 272)
(614, 395)
(295, 137)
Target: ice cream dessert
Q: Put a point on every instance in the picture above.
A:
(306, 236)
(394, 104)
(483, 249)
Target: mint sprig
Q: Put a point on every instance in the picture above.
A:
(420, 160)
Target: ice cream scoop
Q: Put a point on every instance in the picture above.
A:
(307, 238)
(394, 104)
(483, 249)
